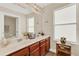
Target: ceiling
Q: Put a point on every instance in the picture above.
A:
(24, 8)
(16, 8)
(43, 4)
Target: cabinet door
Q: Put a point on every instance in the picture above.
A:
(42, 48)
(34, 49)
(22, 52)
(35, 52)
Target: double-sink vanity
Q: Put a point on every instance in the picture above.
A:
(27, 47)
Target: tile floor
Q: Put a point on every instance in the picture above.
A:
(50, 54)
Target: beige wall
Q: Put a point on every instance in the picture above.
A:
(47, 23)
(1, 26)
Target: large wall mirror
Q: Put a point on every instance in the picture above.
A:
(9, 26)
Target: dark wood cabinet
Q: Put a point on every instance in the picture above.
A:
(42, 47)
(34, 49)
(22, 52)
(39, 48)
(63, 51)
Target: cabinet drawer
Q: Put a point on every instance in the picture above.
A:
(34, 46)
(22, 52)
(42, 42)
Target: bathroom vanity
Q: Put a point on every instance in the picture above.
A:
(28, 47)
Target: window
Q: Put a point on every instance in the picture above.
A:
(65, 23)
(31, 24)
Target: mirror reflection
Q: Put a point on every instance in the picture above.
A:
(9, 26)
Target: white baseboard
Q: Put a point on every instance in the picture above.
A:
(53, 50)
